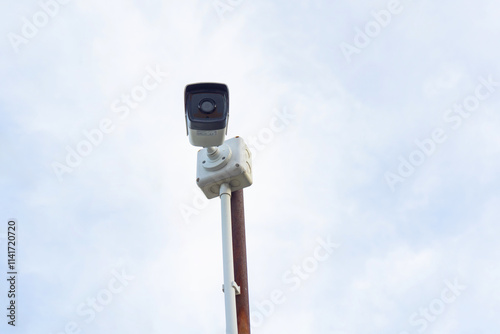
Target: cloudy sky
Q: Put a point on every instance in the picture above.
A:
(374, 128)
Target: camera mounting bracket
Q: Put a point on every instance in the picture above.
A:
(215, 158)
(232, 164)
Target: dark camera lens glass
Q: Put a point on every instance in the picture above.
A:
(207, 106)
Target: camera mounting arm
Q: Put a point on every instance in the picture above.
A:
(230, 287)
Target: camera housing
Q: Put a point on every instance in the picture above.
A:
(207, 113)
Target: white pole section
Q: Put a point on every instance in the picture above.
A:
(227, 254)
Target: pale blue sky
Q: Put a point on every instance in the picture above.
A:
(126, 225)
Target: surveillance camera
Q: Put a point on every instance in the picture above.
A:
(207, 113)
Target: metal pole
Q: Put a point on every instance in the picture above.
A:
(240, 261)
(227, 254)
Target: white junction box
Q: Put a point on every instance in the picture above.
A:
(231, 164)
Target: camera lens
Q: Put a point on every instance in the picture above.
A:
(207, 106)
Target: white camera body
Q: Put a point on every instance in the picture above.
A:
(206, 138)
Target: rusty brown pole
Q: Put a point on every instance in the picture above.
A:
(240, 261)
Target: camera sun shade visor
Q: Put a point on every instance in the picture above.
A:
(206, 106)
